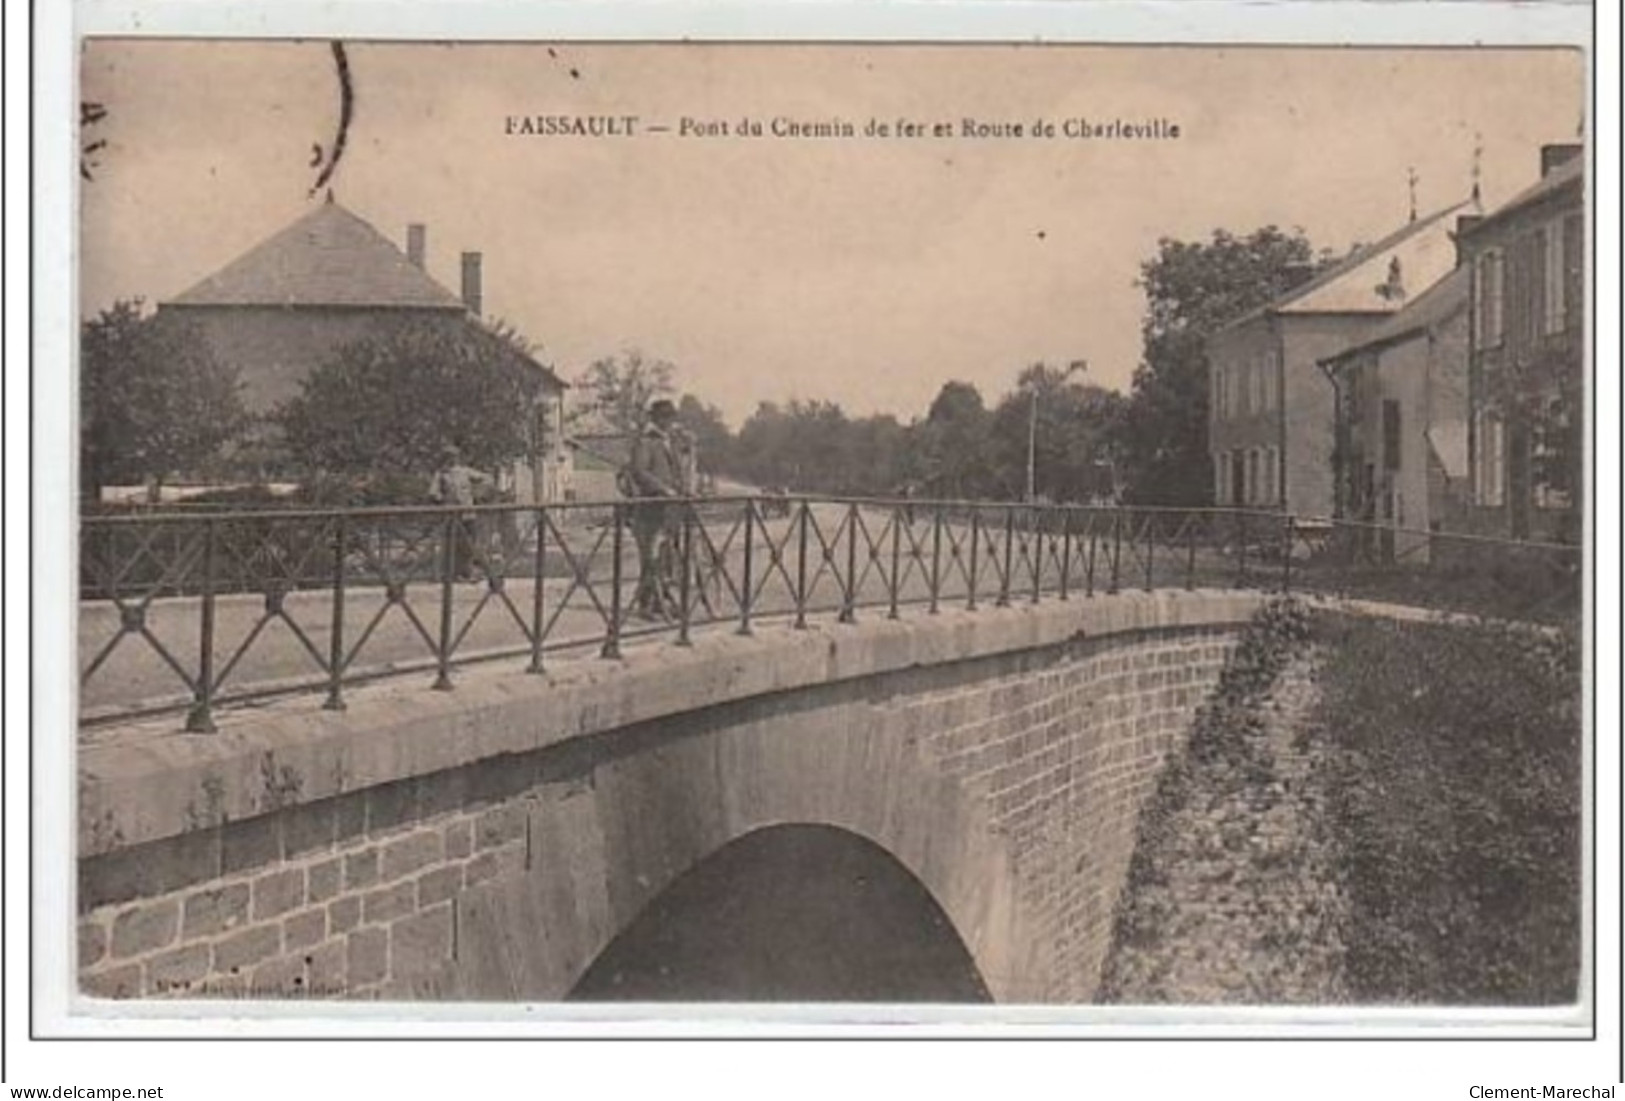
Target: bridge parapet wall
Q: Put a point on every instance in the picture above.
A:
(490, 842)
(1063, 757)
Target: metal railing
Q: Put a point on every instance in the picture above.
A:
(188, 611)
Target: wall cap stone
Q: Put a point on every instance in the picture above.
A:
(145, 781)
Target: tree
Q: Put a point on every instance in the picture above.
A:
(952, 443)
(155, 402)
(800, 445)
(616, 390)
(1073, 440)
(1192, 289)
(394, 401)
(711, 436)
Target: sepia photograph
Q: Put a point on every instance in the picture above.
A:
(790, 524)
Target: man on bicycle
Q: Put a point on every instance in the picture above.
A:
(656, 471)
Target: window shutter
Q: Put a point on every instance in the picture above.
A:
(1574, 258)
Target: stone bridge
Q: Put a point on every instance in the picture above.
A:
(505, 840)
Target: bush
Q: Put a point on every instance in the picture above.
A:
(1456, 792)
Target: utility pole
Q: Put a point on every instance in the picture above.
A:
(1032, 446)
(1077, 365)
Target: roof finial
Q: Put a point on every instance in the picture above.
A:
(1410, 179)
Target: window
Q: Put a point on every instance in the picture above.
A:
(1489, 460)
(1252, 476)
(1221, 477)
(1272, 465)
(1489, 292)
(1390, 435)
(1554, 281)
(1550, 456)
(1217, 400)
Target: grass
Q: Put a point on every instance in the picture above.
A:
(1456, 792)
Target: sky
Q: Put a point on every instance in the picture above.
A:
(866, 270)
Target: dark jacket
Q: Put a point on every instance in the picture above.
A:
(655, 468)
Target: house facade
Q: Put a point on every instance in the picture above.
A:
(331, 279)
(1400, 461)
(1526, 365)
(1271, 407)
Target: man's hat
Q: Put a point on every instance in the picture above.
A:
(662, 408)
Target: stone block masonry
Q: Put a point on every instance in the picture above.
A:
(358, 918)
(1065, 757)
(489, 843)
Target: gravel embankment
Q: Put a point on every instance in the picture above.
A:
(1233, 896)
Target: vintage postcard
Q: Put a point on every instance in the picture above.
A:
(945, 531)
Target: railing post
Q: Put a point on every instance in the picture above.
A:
(335, 640)
(1150, 551)
(975, 535)
(850, 604)
(1286, 552)
(936, 558)
(1036, 545)
(1009, 555)
(746, 589)
(1089, 569)
(896, 558)
(801, 569)
(612, 639)
(1190, 550)
(448, 553)
(1117, 547)
(201, 718)
(1241, 557)
(538, 597)
(685, 549)
(1066, 553)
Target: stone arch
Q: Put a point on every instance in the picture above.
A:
(791, 913)
(605, 844)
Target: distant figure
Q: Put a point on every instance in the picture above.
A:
(656, 471)
(455, 484)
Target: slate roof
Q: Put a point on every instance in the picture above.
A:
(1568, 172)
(1439, 302)
(329, 257)
(1350, 285)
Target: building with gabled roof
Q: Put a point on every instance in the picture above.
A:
(328, 258)
(1400, 462)
(331, 279)
(1271, 412)
(1527, 361)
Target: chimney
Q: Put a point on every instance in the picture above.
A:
(1464, 226)
(416, 244)
(472, 297)
(1551, 156)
